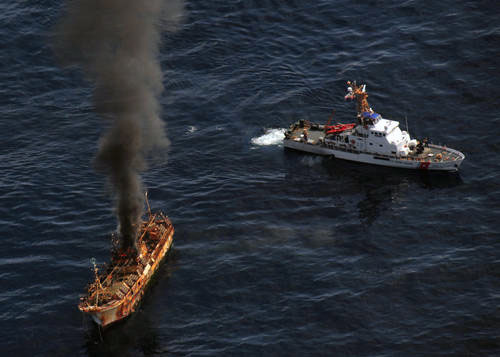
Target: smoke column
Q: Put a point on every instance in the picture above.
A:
(116, 42)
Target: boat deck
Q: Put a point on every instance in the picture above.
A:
(435, 153)
(314, 134)
(125, 271)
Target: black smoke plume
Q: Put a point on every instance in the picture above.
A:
(116, 42)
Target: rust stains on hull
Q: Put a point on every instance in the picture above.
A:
(116, 292)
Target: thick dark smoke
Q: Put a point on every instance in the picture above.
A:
(116, 42)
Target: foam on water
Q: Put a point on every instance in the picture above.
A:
(309, 160)
(271, 137)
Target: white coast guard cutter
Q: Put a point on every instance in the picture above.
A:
(372, 140)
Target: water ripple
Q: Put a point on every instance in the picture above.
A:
(276, 253)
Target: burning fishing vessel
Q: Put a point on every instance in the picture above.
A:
(371, 139)
(117, 291)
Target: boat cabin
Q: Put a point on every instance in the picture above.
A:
(375, 134)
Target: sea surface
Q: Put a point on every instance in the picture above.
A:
(276, 253)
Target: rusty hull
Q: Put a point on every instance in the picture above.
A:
(116, 293)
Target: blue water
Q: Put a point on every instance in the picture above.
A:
(276, 253)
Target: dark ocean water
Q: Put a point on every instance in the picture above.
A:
(276, 253)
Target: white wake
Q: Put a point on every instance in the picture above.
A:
(270, 137)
